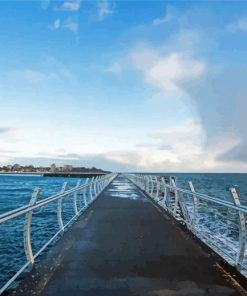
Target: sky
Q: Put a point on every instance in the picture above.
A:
(124, 85)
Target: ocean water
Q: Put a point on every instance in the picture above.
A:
(216, 184)
(15, 191)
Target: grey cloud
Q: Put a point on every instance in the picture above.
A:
(8, 151)
(238, 153)
(70, 155)
(221, 100)
(4, 130)
(158, 146)
(165, 147)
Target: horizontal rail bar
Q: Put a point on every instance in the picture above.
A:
(207, 198)
(25, 209)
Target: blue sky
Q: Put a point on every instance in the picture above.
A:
(124, 85)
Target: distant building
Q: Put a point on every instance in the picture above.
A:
(67, 168)
(16, 167)
(53, 168)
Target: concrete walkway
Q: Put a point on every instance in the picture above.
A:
(124, 245)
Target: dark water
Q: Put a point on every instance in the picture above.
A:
(15, 191)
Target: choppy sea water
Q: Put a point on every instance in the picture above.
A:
(217, 225)
(15, 191)
(216, 184)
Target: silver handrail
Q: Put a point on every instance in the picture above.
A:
(94, 187)
(163, 192)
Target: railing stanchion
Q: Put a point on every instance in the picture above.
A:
(146, 183)
(157, 187)
(91, 189)
(95, 186)
(100, 180)
(242, 230)
(59, 209)
(195, 205)
(174, 211)
(85, 190)
(162, 189)
(152, 186)
(149, 184)
(102, 183)
(27, 232)
(165, 191)
(75, 198)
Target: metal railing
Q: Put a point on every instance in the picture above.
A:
(89, 191)
(219, 223)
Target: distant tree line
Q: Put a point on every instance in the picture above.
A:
(53, 168)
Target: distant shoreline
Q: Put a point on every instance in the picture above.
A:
(22, 173)
(55, 174)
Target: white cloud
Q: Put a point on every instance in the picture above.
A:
(166, 19)
(185, 144)
(238, 25)
(50, 70)
(70, 6)
(31, 76)
(72, 26)
(186, 152)
(177, 69)
(167, 72)
(114, 68)
(104, 9)
(56, 25)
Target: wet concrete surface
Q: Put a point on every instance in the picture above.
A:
(124, 245)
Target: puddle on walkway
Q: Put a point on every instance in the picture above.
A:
(124, 189)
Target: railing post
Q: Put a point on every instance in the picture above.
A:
(242, 230)
(91, 189)
(176, 197)
(165, 190)
(75, 198)
(143, 182)
(27, 230)
(157, 187)
(98, 185)
(152, 186)
(195, 205)
(150, 192)
(102, 182)
(95, 185)
(59, 209)
(85, 193)
(146, 183)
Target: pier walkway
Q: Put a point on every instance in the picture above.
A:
(125, 245)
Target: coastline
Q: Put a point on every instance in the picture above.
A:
(56, 174)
